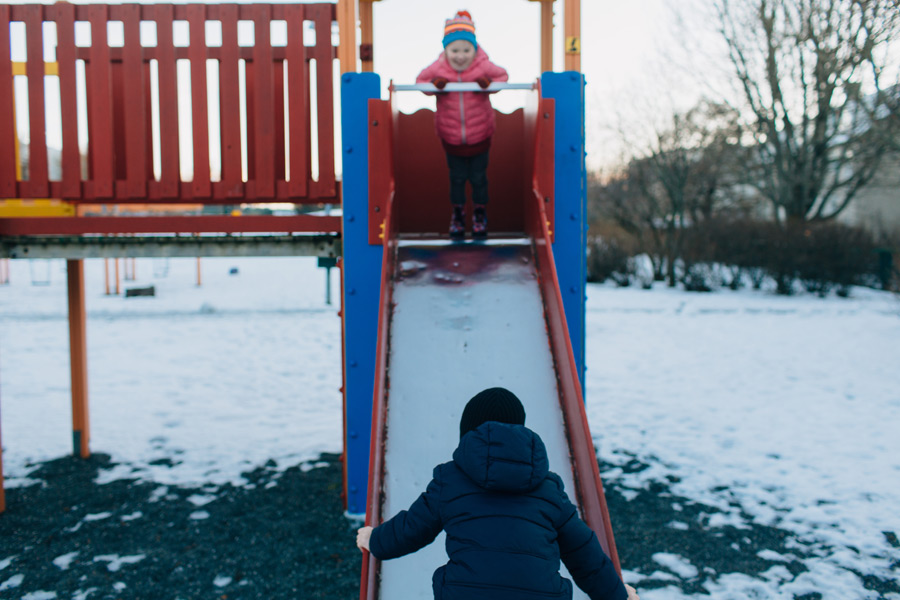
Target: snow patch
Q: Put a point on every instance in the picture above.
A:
(13, 582)
(116, 562)
(97, 517)
(64, 561)
(677, 564)
(40, 595)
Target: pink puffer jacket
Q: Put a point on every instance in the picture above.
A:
(464, 118)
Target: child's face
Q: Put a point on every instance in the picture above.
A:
(460, 54)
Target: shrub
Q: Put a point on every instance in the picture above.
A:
(608, 259)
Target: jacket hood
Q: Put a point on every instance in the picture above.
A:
(503, 458)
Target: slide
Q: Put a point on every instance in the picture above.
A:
(457, 318)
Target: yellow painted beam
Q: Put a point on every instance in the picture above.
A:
(36, 208)
(50, 69)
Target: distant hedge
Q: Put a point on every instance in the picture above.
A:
(735, 252)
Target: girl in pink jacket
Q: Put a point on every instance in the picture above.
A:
(464, 120)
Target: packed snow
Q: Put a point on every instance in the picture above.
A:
(775, 410)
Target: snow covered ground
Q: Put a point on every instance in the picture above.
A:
(777, 411)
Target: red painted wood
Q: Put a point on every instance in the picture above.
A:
(168, 224)
(116, 70)
(263, 132)
(250, 116)
(324, 55)
(135, 112)
(278, 115)
(423, 186)
(170, 169)
(36, 186)
(381, 168)
(100, 111)
(232, 184)
(120, 129)
(8, 187)
(298, 102)
(148, 124)
(65, 58)
(374, 500)
(201, 186)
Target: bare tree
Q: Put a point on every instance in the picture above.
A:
(675, 181)
(813, 75)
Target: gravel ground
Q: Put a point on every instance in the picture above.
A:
(285, 536)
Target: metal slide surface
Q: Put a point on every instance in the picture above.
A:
(466, 316)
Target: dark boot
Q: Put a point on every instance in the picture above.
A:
(458, 223)
(479, 223)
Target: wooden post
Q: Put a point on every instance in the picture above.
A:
(346, 16)
(366, 36)
(546, 35)
(199, 279)
(106, 275)
(78, 358)
(572, 35)
(4, 271)
(118, 279)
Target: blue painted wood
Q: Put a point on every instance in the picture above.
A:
(569, 247)
(362, 280)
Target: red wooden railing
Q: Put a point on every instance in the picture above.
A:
(126, 162)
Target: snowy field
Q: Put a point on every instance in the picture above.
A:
(776, 411)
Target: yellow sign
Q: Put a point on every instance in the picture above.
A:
(573, 45)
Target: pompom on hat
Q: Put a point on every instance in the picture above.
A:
(493, 404)
(460, 27)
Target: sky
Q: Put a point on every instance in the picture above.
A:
(620, 49)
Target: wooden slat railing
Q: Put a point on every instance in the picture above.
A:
(125, 164)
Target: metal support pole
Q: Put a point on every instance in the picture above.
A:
(572, 29)
(78, 358)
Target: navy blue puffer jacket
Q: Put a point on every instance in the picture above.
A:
(508, 523)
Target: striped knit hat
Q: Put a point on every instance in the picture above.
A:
(460, 27)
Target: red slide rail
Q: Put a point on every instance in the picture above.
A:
(588, 485)
(382, 191)
(270, 143)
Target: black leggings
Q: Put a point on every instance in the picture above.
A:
(472, 169)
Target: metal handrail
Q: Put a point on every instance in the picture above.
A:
(465, 86)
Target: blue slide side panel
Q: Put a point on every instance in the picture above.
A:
(569, 248)
(362, 279)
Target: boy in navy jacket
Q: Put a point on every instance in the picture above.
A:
(508, 519)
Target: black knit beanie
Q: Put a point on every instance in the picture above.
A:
(493, 404)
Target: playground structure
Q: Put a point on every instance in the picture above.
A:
(270, 146)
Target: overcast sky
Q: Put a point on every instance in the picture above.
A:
(622, 43)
